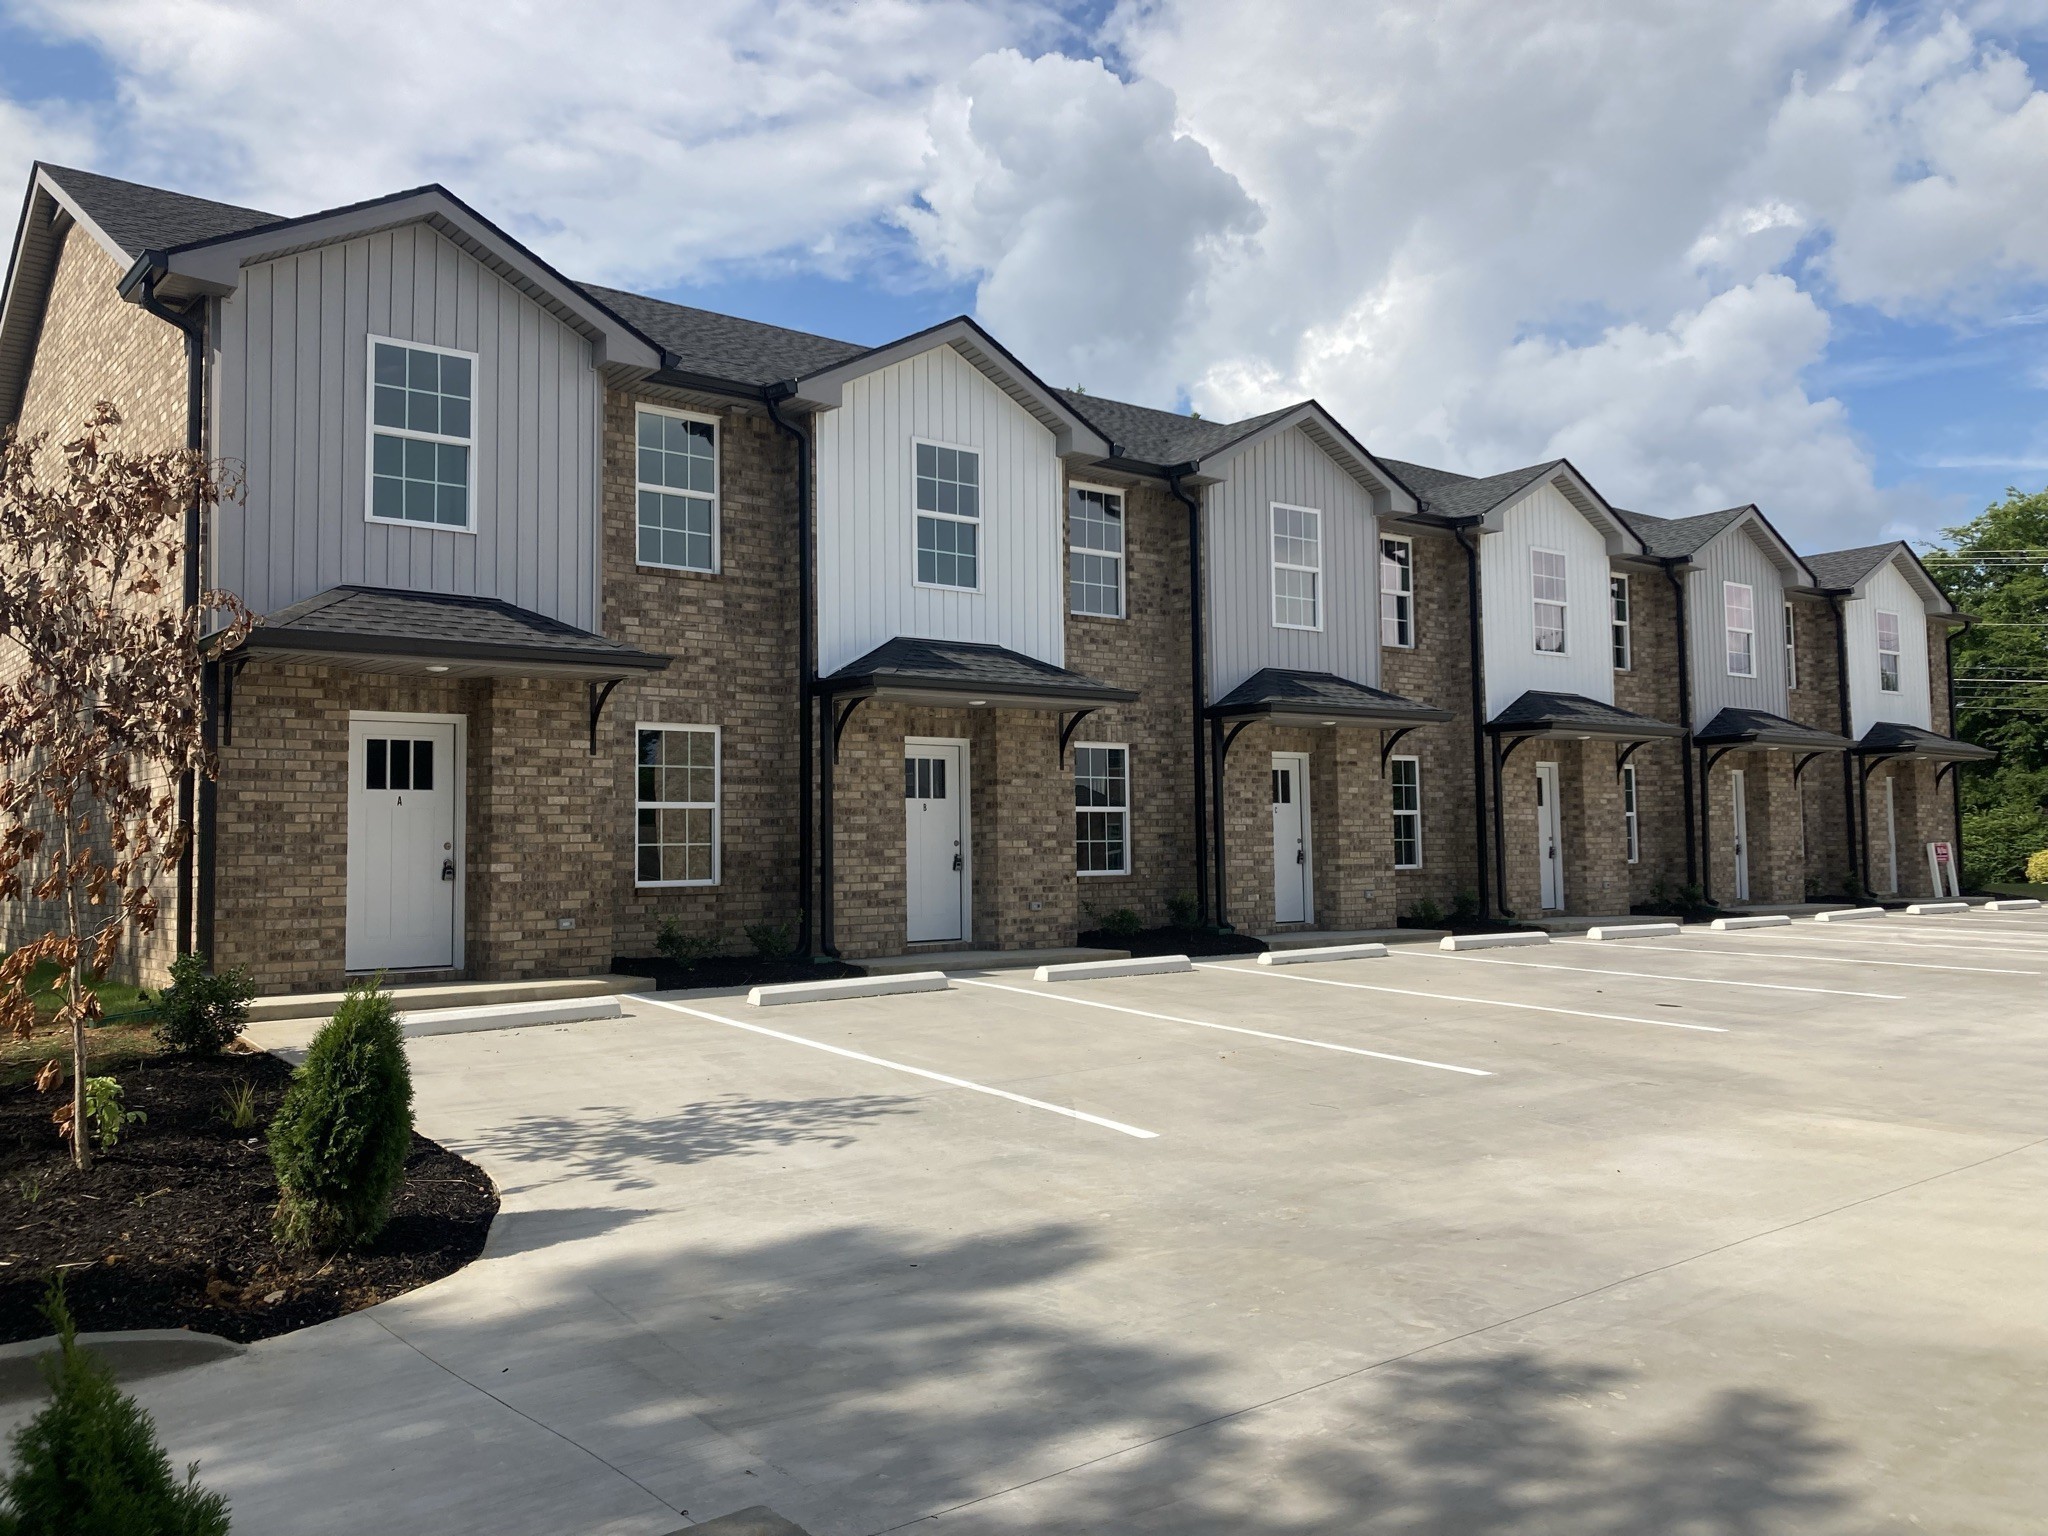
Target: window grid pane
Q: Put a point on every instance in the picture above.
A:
(1739, 606)
(1101, 810)
(1618, 588)
(1406, 791)
(1791, 650)
(1397, 587)
(1628, 812)
(676, 474)
(948, 513)
(1297, 560)
(1547, 575)
(676, 814)
(1095, 556)
(1888, 652)
(419, 401)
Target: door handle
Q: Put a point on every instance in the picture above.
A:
(956, 861)
(1300, 855)
(447, 869)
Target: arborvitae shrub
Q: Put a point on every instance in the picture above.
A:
(89, 1464)
(340, 1139)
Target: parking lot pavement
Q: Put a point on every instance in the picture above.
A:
(1421, 1243)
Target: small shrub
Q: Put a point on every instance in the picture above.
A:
(683, 949)
(201, 1012)
(2037, 868)
(1813, 887)
(104, 1115)
(1852, 886)
(1465, 904)
(771, 941)
(31, 1186)
(238, 1106)
(89, 1463)
(340, 1139)
(1426, 913)
(1182, 912)
(1123, 923)
(1693, 895)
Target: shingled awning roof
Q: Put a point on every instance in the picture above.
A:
(1320, 698)
(1573, 715)
(382, 629)
(1888, 738)
(1756, 728)
(960, 673)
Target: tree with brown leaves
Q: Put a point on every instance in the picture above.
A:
(100, 705)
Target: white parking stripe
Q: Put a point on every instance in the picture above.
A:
(1703, 981)
(1786, 954)
(1235, 1029)
(1452, 997)
(1892, 938)
(897, 1066)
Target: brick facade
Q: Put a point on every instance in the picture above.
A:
(1649, 686)
(1823, 793)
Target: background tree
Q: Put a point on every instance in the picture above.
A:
(100, 708)
(1995, 568)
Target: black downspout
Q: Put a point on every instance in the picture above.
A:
(1706, 827)
(805, 671)
(1500, 832)
(194, 931)
(1955, 774)
(1851, 821)
(1216, 750)
(1692, 859)
(1197, 691)
(1477, 669)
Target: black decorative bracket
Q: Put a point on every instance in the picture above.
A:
(1943, 772)
(1230, 736)
(1388, 741)
(1713, 757)
(1622, 753)
(1509, 750)
(1067, 725)
(599, 695)
(1799, 768)
(230, 669)
(841, 713)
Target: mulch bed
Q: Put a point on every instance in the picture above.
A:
(171, 1229)
(729, 971)
(1172, 941)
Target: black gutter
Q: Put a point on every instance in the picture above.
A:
(806, 674)
(194, 911)
(1198, 692)
(1955, 775)
(1478, 670)
(1685, 745)
(1858, 854)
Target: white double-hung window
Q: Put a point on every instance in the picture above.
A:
(422, 435)
(1397, 592)
(1102, 809)
(675, 795)
(1630, 824)
(1547, 583)
(948, 517)
(1095, 551)
(675, 470)
(1888, 652)
(1738, 610)
(1297, 567)
(1405, 784)
(1791, 650)
(1617, 593)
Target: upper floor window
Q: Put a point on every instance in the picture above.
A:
(1095, 551)
(1791, 650)
(675, 804)
(1738, 608)
(948, 517)
(1546, 570)
(422, 433)
(1406, 787)
(1397, 592)
(1888, 652)
(1102, 809)
(1297, 567)
(676, 489)
(1617, 595)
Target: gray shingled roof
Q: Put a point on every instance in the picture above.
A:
(724, 346)
(1843, 568)
(1162, 437)
(1888, 738)
(1567, 714)
(139, 218)
(966, 669)
(386, 621)
(1673, 538)
(1446, 494)
(1278, 691)
(1767, 730)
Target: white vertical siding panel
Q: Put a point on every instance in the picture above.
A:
(1735, 556)
(1543, 519)
(1888, 590)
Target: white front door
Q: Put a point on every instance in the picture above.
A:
(1293, 871)
(935, 839)
(1549, 839)
(404, 842)
(1739, 824)
(1891, 836)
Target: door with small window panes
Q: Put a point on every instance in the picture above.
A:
(404, 846)
(935, 841)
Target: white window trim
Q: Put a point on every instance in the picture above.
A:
(1729, 631)
(1106, 874)
(1564, 623)
(1275, 565)
(1625, 625)
(371, 429)
(1123, 561)
(1408, 544)
(1631, 813)
(1898, 656)
(717, 734)
(717, 489)
(1791, 649)
(981, 499)
(1416, 813)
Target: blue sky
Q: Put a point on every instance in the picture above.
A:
(1816, 276)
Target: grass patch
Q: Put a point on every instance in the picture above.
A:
(124, 1036)
(120, 1003)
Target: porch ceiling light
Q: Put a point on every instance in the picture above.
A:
(1326, 722)
(437, 667)
(976, 703)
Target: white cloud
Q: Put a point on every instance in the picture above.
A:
(46, 131)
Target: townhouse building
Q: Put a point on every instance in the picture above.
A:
(584, 613)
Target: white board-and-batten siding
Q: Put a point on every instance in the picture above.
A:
(1290, 469)
(866, 507)
(1888, 590)
(1544, 519)
(292, 407)
(1735, 555)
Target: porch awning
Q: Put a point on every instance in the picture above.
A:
(1320, 698)
(959, 674)
(384, 629)
(1574, 717)
(1889, 739)
(1767, 732)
